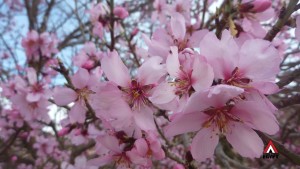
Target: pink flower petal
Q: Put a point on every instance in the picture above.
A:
(80, 78)
(245, 141)
(178, 26)
(31, 75)
(204, 144)
(265, 87)
(258, 115)
(222, 54)
(184, 123)
(202, 75)
(77, 113)
(63, 96)
(101, 161)
(33, 97)
(115, 70)
(163, 93)
(263, 61)
(216, 96)
(151, 71)
(110, 142)
(141, 146)
(144, 118)
(172, 62)
(196, 38)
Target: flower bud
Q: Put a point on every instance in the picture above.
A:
(89, 64)
(14, 158)
(134, 31)
(63, 131)
(121, 12)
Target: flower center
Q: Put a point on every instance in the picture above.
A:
(36, 88)
(183, 84)
(237, 79)
(83, 93)
(137, 94)
(219, 117)
(181, 44)
(179, 8)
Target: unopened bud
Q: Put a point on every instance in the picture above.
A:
(121, 12)
(63, 131)
(134, 31)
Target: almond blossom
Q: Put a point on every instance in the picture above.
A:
(190, 72)
(36, 44)
(252, 65)
(83, 83)
(88, 57)
(224, 110)
(128, 95)
(177, 34)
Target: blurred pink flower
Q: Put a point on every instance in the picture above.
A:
(84, 84)
(121, 12)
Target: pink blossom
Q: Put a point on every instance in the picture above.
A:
(121, 12)
(14, 4)
(255, 12)
(144, 149)
(83, 82)
(253, 65)
(80, 163)
(161, 9)
(97, 11)
(98, 30)
(36, 44)
(98, 14)
(36, 90)
(114, 152)
(178, 166)
(223, 110)
(177, 34)
(45, 145)
(88, 57)
(127, 95)
(181, 7)
(189, 72)
(31, 110)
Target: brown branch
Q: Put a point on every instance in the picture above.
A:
(46, 16)
(169, 144)
(295, 99)
(112, 22)
(283, 18)
(288, 78)
(172, 156)
(76, 151)
(10, 141)
(203, 14)
(293, 157)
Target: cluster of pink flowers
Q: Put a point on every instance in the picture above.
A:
(191, 80)
(101, 16)
(37, 45)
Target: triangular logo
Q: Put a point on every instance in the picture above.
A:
(270, 148)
